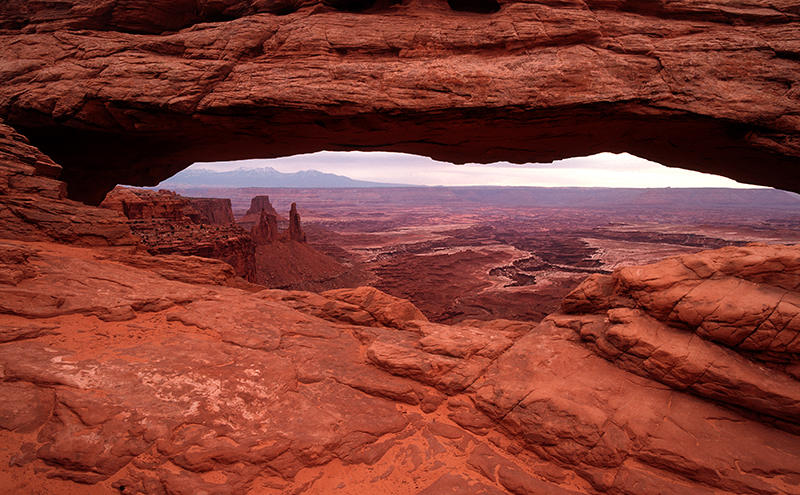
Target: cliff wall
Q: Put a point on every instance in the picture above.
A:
(211, 211)
(168, 223)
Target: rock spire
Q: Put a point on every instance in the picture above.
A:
(266, 230)
(294, 232)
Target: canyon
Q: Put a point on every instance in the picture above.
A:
(168, 223)
(513, 252)
(125, 370)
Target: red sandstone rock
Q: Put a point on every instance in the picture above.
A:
(265, 231)
(324, 307)
(91, 393)
(80, 283)
(168, 223)
(292, 265)
(252, 216)
(143, 204)
(210, 211)
(703, 87)
(495, 468)
(285, 260)
(743, 298)
(459, 485)
(208, 387)
(565, 403)
(295, 232)
(33, 204)
(25, 407)
(385, 309)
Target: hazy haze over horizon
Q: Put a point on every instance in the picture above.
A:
(601, 170)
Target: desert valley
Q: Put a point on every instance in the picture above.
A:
(403, 341)
(514, 252)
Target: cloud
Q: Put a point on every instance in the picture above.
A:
(602, 170)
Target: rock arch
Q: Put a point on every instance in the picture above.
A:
(132, 91)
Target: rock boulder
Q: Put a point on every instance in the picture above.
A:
(721, 324)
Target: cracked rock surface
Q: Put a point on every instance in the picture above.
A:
(192, 386)
(722, 324)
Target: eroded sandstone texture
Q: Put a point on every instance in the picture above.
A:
(168, 223)
(253, 215)
(721, 324)
(157, 375)
(33, 204)
(132, 91)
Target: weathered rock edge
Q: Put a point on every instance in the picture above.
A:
(721, 324)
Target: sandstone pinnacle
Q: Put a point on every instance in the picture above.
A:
(295, 232)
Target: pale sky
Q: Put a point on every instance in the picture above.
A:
(602, 170)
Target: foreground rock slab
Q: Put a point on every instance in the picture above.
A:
(722, 324)
(122, 374)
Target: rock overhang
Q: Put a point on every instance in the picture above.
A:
(712, 88)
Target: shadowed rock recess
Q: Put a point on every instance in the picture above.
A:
(132, 91)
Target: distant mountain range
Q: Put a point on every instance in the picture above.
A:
(265, 177)
(245, 182)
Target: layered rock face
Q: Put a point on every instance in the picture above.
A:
(168, 223)
(265, 231)
(210, 211)
(723, 325)
(133, 91)
(253, 214)
(168, 207)
(33, 204)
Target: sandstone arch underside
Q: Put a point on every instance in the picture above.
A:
(132, 91)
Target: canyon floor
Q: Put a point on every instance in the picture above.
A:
(493, 252)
